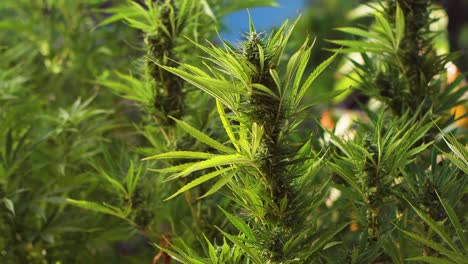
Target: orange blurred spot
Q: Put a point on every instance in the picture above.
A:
(327, 121)
(459, 111)
(452, 74)
(354, 227)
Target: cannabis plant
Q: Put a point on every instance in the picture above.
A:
(162, 97)
(267, 167)
(401, 169)
(47, 133)
(386, 179)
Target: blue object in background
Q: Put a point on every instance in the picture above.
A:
(264, 19)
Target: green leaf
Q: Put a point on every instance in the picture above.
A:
(9, 205)
(459, 163)
(358, 32)
(436, 228)
(399, 25)
(256, 135)
(251, 252)
(344, 173)
(199, 181)
(293, 63)
(175, 168)
(283, 42)
(138, 24)
(327, 236)
(215, 161)
(240, 225)
(211, 251)
(132, 178)
(214, 87)
(360, 46)
(219, 184)
(226, 125)
(302, 66)
(332, 244)
(264, 89)
(129, 178)
(308, 82)
(207, 9)
(181, 155)
(430, 244)
(386, 27)
(119, 14)
(117, 185)
(276, 78)
(455, 222)
(261, 54)
(460, 154)
(432, 260)
(203, 138)
(105, 209)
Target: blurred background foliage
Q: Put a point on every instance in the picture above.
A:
(57, 120)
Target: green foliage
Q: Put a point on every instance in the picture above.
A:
(401, 67)
(130, 133)
(382, 165)
(263, 182)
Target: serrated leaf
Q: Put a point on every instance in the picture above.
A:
(116, 184)
(308, 82)
(324, 238)
(436, 228)
(455, 222)
(215, 161)
(226, 125)
(434, 246)
(302, 66)
(175, 168)
(129, 178)
(349, 179)
(132, 177)
(219, 184)
(399, 25)
(211, 251)
(240, 225)
(460, 157)
(386, 27)
(119, 14)
(241, 244)
(181, 155)
(265, 90)
(200, 136)
(199, 181)
(214, 87)
(92, 206)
